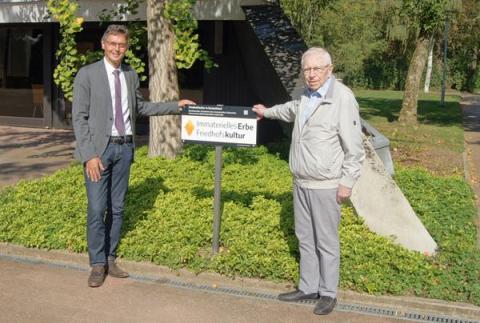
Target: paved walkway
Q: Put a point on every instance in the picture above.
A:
(45, 293)
(27, 153)
(471, 122)
(50, 286)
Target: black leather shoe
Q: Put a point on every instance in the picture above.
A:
(97, 276)
(325, 305)
(296, 295)
(114, 270)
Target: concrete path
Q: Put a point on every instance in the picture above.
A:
(471, 124)
(43, 293)
(51, 286)
(27, 153)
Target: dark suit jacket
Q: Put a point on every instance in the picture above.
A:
(93, 110)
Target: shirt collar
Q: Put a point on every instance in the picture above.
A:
(322, 91)
(110, 67)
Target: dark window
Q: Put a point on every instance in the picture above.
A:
(21, 72)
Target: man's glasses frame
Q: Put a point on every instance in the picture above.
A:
(316, 69)
(119, 45)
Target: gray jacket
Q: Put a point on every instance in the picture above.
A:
(92, 108)
(328, 149)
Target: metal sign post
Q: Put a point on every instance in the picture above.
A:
(217, 198)
(218, 125)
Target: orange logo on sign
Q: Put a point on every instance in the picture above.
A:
(189, 127)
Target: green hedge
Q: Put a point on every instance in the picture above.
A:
(168, 221)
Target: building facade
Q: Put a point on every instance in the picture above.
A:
(29, 39)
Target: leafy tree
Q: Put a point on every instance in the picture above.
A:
(415, 20)
(464, 49)
(352, 43)
(64, 11)
(304, 14)
(363, 56)
(172, 44)
(375, 48)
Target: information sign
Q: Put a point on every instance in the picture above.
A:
(219, 125)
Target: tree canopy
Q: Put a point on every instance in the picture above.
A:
(372, 41)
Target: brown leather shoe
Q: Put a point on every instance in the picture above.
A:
(97, 276)
(114, 270)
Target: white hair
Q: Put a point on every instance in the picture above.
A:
(318, 52)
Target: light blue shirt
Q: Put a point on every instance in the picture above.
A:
(314, 99)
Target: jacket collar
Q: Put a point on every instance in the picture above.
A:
(329, 95)
(331, 88)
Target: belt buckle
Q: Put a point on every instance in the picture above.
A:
(117, 140)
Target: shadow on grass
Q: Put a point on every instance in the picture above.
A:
(429, 111)
(242, 156)
(230, 155)
(287, 224)
(376, 107)
(281, 148)
(140, 199)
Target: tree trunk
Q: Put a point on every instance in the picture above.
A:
(408, 113)
(164, 137)
(428, 76)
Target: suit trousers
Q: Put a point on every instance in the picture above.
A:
(317, 217)
(106, 199)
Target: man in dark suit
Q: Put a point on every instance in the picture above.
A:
(106, 99)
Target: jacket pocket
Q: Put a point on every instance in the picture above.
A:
(312, 162)
(320, 163)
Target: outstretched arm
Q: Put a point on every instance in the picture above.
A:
(259, 109)
(285, 112)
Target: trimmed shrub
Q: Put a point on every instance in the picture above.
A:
(168, 221)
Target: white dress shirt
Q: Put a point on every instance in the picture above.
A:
(123, 82)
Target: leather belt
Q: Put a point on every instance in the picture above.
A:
(120, 140)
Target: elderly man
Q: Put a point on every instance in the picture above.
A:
(326, 155)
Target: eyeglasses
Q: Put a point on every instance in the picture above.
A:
(316, 69)
(119, 45)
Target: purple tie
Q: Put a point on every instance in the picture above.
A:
(119, 123)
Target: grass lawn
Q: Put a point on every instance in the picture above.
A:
(437, 142)
(168, 215)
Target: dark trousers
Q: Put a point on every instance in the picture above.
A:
(106, 200)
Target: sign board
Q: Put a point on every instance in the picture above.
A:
(219, 125)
